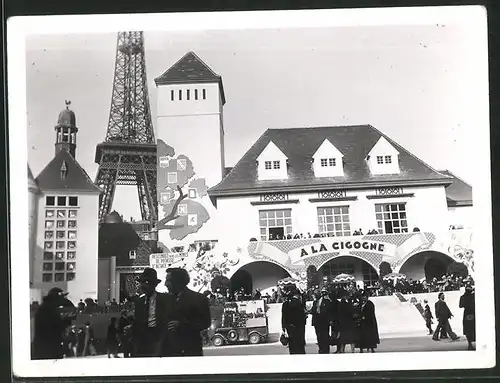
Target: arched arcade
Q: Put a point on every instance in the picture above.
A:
(426, 264)
(362, 270)
(260, 275)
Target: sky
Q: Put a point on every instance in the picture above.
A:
(415, 83)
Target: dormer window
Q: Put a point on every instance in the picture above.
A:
(383, 158)
(325, 161)
(270, 163)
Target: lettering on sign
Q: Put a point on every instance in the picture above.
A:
(342, 246)
(164, 260)
(347, 245)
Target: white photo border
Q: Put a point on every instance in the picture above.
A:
(473, 17)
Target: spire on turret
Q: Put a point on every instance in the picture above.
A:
(66, 130)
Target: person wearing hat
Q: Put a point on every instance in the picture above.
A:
(293, 319)
(368, 327)
(428, 317)
(150, 317)
(468, 303)
(322, 319)
(50, 325)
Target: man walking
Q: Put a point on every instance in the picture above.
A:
(428, 317)
(293, 319)
(322, 318)
(443, 315)
(189, 315)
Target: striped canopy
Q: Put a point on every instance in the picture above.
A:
(394, 277)
(344, 278)
(287, 281)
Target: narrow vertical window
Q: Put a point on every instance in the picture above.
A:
(172, 95)
(204, 94)
(187, 94)
(180, 94)
(196, 94)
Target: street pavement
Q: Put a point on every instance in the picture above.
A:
(413, 344)
(408, 344)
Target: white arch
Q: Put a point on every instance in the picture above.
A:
(230, 275)
(398, 268)
(347, 255)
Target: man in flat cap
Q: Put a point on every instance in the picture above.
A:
(149, 325)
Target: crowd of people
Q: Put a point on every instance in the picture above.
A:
(156, 324)
(341, 317)
(281, 237)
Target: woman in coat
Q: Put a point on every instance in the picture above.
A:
(467, 302)
(368, 330)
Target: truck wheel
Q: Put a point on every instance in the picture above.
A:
(217, 341)
(254, 338)
(232, 335)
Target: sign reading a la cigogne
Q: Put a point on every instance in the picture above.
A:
(331, 245)
(164, 260)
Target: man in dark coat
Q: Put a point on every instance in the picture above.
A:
(467, 302)
(188, 316)
(51, 321)
(368, 329)
(443, 315)
(150, 317)
(428, 317)
(322, 320)
(293, 319)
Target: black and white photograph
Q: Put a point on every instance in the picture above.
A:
(250, 192)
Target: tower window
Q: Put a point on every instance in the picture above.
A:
(388, 159)
(324, 162)
(61, 201)
(380, 160)
(50, 201)
(171, 95)
(73, 201)
(276, 164)
(331, 162)
(64, 171)
(196, 94)
(180, 94)
(268, 165)
(204, 94)
(187, 94)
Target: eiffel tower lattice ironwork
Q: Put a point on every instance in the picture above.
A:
(128, 154)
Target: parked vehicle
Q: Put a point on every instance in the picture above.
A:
(242, 322)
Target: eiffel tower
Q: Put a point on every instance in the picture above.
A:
(128, 154)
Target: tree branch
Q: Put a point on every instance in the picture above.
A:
(173, 213)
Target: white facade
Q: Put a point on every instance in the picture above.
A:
(66, 254)
(461, 217)
(425, 209)
(193, 126)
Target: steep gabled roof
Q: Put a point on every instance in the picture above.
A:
(76, 180)
(190, 69)
(459, 193)
(300, 144)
